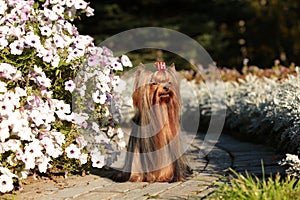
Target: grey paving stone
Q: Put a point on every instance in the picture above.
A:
(82, 188)
(151, 190)
(185, 190)
(218, 160)
(208, 168)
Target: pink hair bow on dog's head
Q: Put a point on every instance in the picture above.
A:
(160, 65)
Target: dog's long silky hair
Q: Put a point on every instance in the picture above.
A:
(154, 152)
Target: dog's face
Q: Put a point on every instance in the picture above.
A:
(162, 87)
(156, 87)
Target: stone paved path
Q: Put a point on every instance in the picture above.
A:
(208, 169)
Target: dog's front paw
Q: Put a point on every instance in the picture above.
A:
(121, 177)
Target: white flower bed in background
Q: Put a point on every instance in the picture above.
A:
(264, 109)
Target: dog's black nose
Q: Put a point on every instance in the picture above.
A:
(166, 88)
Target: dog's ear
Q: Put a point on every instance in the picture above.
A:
(172, 67)
(140, 69)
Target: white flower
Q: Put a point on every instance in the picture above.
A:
(120, 133)
(116, 65)
(55, 61)
(47, 55)
(81, 90)
(16, 47)
(12, 145)
(20, 92)
(99, 98)
(70, 85)
(33, 149)
(51, 149)
(7, 172)
(101, 138)
(98, 160)
(43, 163)
(53, 1)
(6, 108)
(62, 109)
(6, 183)
(7, 70)
(23, 131)
(80, 118)
(13, 98)
(59, 137)
(3, 42)
(122, 144)
(81, 141)
(23, 174)
(44, 81)
(47, 144)
(103, 86)
(33, 40)
(120, 86)
(70, 3)
(80, 4)
(58, 41)
(4, 131)
(83, 158)
(95, 127)
(89, 11)
(125, 61)
(46, 30)
(72, 151)
(38, 70)
(58, 9)
(29, 161)
(3, 86)
(3, 7)
(35, 116)
(50, 14)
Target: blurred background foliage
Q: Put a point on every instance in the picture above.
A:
(230, 30)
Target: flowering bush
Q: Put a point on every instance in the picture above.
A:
(41, 52)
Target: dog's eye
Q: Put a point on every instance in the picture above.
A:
(170, 83)
(154, 83)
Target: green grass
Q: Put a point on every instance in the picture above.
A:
(248, 187)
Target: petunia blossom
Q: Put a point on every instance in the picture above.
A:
(70, 85)
(72, 151)
(126, 61)
(98, 160)
(6, 183)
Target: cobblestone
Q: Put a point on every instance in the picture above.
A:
(227, 153)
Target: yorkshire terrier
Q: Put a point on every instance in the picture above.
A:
(154, 152)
